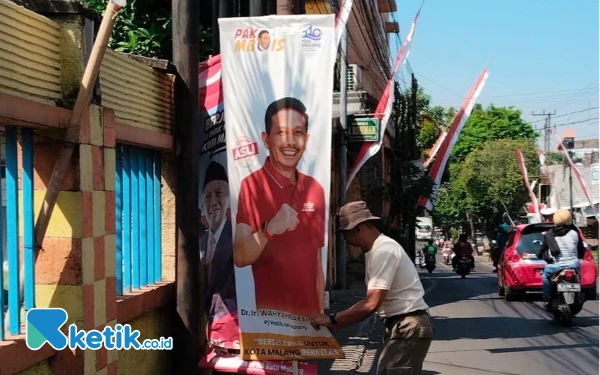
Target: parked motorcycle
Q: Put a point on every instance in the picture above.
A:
(566, 300)
(463, 266)
(446, 251)
(430, 262)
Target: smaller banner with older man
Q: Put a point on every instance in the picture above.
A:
(277, 75)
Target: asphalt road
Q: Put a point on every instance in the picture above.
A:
(478, 332)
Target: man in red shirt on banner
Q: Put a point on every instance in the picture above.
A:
(280, 223)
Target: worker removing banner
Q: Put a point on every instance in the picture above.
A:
(277, 75)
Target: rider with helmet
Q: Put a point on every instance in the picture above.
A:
(430, 248)
(566, 248)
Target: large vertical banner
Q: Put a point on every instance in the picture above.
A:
(277, 74)
(216, 242)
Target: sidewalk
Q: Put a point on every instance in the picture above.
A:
(361, 342)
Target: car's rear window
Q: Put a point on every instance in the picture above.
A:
(528, 243)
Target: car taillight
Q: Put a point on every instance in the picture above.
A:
(514, 258)
(569, 274)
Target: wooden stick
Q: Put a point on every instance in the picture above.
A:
(295, 368)
(72, 134)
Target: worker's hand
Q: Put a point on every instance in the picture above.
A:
(321, 320)
(285, 219)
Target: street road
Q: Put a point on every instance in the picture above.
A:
(477, 332)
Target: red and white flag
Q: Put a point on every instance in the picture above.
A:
(342, 19)
(435, 148)
(437, 170)
(561, 146)
(532, 197)
(384, 108)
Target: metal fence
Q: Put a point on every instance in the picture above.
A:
(138, 215)
(11, 236)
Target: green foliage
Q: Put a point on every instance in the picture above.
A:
(489, 124)
(554, 158)
(428, 135)
(143, 28)
(433, 120)
(488, 177)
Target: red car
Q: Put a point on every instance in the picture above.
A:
(520, 270)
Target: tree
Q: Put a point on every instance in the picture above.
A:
(488, 179)
(489, 124)
(143, 28)
(434, 120)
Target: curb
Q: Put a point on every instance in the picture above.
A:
(359, 343)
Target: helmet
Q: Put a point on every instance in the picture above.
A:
(430, 241)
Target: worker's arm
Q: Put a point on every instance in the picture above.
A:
(247, 246)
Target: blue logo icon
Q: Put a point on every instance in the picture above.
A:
(311, 33)
(43, 325)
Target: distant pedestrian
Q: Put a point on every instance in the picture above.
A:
(394, 290)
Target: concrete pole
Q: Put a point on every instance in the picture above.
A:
(185, 15)
(343, 158)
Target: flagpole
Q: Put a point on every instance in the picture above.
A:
(343, 156)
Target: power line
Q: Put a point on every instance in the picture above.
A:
(567, 114)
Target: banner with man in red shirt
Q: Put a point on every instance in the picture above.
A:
(277, 76)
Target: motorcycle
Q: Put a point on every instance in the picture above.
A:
(430, 262)
(463, 266)
(419, 260)
(446, 251)
(566, 299)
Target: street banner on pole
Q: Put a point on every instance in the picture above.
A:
(220, 301)
(532, 197)
(383, 111)
(439, 165)
(576, 172)
(277, 76)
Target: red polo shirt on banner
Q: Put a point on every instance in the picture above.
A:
(285, 275)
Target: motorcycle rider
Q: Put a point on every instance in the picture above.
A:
(501, 240)
(430, 248)
(463, 247)
(566, 248)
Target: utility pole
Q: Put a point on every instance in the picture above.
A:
(257, 8)
(343, 158)
(570, 182)
(185, 15)
(412, 155)
(547, 128)
(221, 9)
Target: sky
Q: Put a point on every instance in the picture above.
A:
(542, 55)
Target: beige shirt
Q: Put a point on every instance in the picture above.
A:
(388, 267)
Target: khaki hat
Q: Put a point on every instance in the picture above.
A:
(563, 217)
(353, 214)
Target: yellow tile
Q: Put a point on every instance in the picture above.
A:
(99, 208)
(110, 255)
(87, 249)
(110, 168)
(96, 129)
(65, 221)
(113, 355)
(99, 302)
(68, 297)
(86, 167)
(89, 362)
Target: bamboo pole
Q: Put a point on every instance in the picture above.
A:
(72, 133)
(77, 115)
